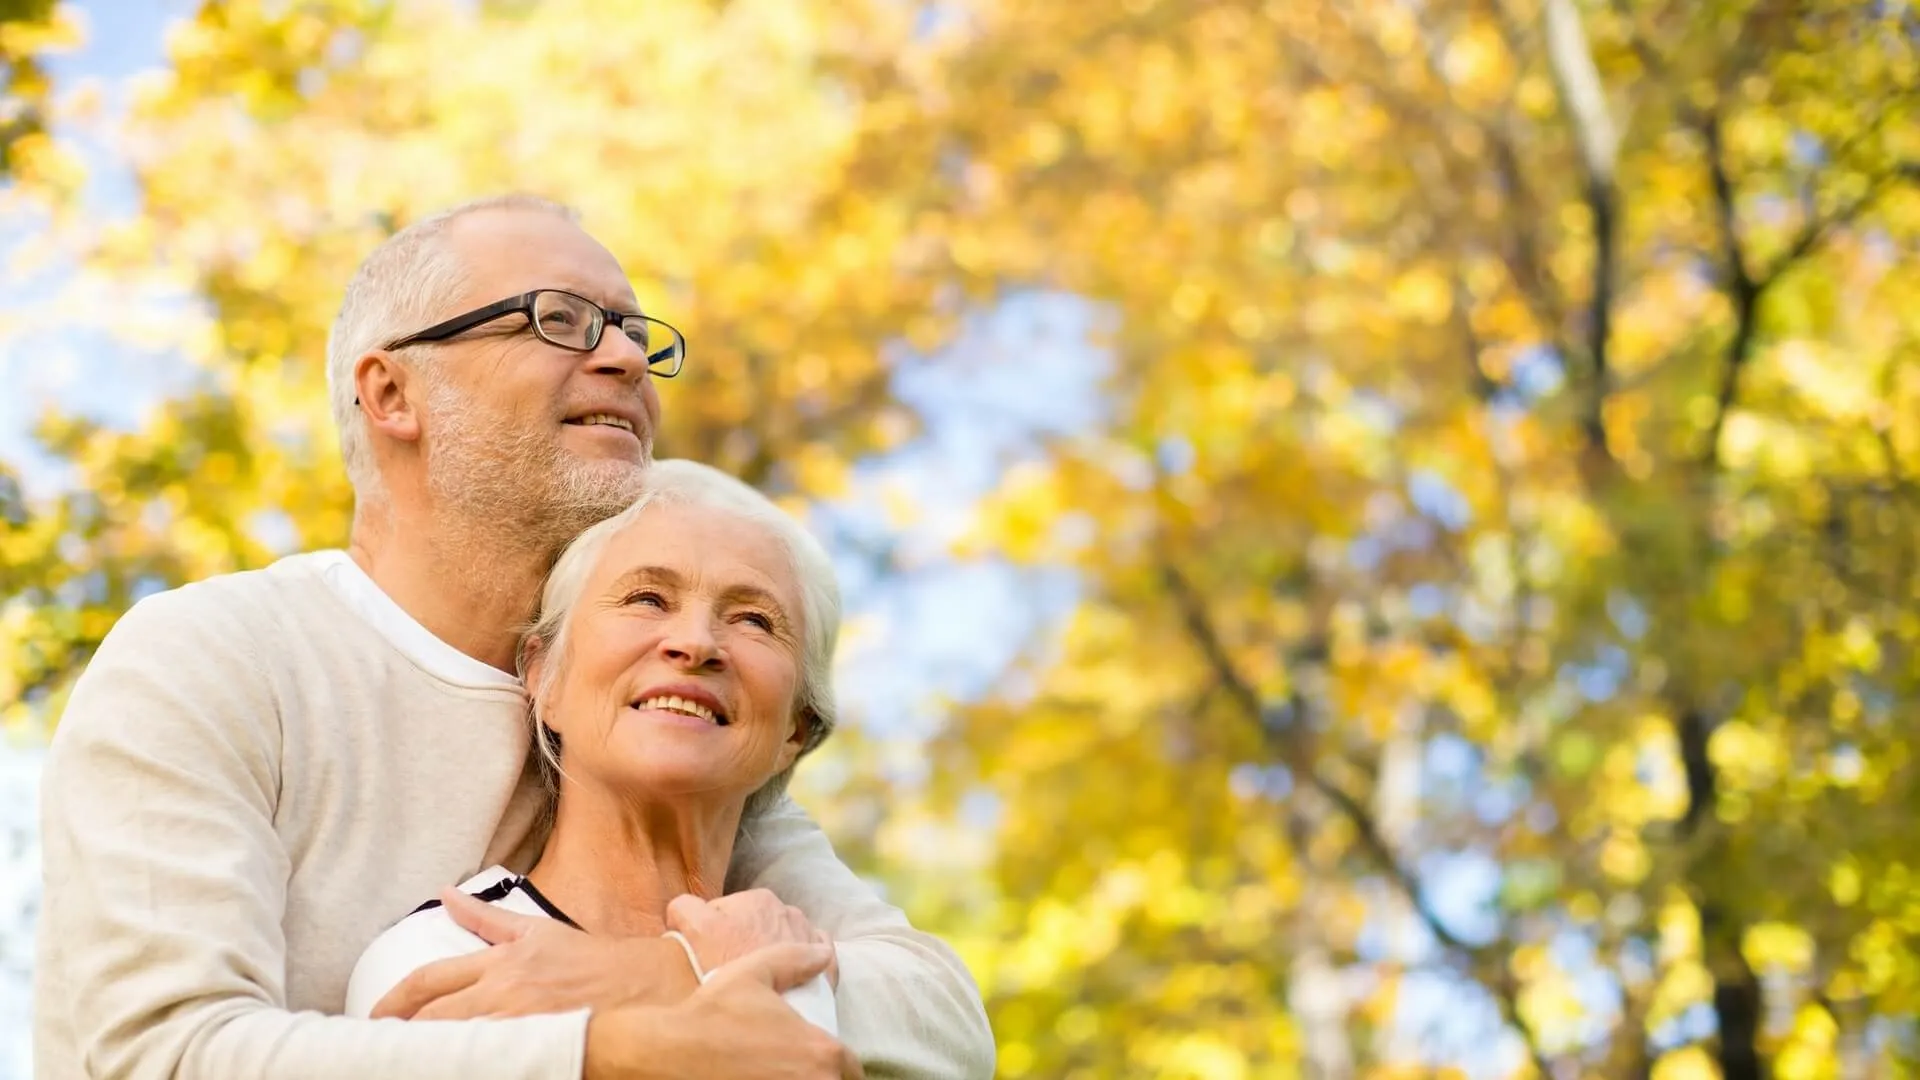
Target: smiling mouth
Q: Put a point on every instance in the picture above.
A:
(684, 707)
(602, 419)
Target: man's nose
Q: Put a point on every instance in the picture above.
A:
(617, 355)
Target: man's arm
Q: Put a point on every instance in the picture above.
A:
(165, 886)
(908, 1007)
(166, 883)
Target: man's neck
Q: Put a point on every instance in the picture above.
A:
(470, 588)
(613, 866)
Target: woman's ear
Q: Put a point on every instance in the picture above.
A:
(803, 723)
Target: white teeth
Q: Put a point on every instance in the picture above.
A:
(604, 418)
(679, 705)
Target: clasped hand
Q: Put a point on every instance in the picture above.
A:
(752, 946)
(538, 965)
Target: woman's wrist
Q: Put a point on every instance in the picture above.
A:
(661, 972)
(700, 972)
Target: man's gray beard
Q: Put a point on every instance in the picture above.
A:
(522, 489)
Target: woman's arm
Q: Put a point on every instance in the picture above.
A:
(907, 1005)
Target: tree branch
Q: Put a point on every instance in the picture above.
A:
(1584, 99)
(1651, 61)
(1484, 387)
(1744, 288)
(1743, 291)
(1816, 230)
(1288, 738)
(1897, 474)
(1525, 264)
(1521, 253)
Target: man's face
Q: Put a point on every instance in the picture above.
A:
(522, 432)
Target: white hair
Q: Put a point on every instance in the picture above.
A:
(690, 483)
(403, 286)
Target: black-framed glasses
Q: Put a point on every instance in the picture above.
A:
(569, 321)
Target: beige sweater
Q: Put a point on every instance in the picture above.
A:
(260, 772)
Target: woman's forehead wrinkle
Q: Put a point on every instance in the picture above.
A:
(647, 574)
(750, 566)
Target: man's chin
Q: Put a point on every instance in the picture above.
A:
(602, 488)
(604, 444)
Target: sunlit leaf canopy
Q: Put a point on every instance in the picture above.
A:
(1494, 638)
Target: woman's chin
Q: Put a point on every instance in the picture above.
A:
(665, 779)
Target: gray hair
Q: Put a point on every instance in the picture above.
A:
(398, 289)
(690, 483)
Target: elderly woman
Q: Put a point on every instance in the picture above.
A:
(678, 670)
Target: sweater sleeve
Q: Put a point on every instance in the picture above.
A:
(166, 883)
(907, 1005)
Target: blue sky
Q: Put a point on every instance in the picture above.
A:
(67, 363)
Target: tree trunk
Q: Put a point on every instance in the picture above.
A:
(1738, 1003)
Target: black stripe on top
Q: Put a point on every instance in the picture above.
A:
(498, 891)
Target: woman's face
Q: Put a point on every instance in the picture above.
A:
(682, 670)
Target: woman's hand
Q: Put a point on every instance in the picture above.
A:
(735, 925)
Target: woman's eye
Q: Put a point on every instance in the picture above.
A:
(647, 596)
(759, 620)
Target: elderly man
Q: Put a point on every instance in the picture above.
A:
(259, 772)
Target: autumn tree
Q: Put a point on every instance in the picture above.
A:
(1510, 485)
(38, 622)
(1496, 561)
(708, 145)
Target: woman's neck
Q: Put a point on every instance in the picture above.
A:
(613, 866)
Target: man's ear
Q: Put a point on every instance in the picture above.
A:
(380, 382)
(533, 656)
(533, 663)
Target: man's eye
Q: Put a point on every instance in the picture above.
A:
(557, 318)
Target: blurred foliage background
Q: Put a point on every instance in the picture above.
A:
(1484, 560)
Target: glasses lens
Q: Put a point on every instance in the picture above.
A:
(566, 320)
(666, 350)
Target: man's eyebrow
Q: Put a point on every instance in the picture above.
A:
(625, 304)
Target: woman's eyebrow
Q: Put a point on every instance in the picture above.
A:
(646, 575)
(754, 594)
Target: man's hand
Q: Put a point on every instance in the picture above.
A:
(536, 965)
(735, 925)
(735, 1027)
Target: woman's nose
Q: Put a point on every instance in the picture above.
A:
(689, 642)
